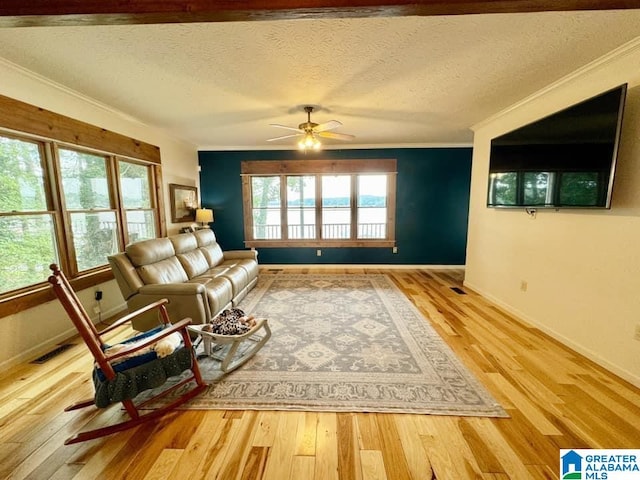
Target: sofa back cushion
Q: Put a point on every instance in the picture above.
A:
(193, 262)
(213, 254)
(184, 242)
(191, 258)
(155, 261)
(209, 247)
(150, 251)
(204, 237)
(168, 270)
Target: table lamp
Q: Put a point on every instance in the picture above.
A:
(204, 216)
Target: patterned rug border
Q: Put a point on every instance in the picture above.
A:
(293, 380)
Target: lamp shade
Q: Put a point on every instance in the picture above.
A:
(204, 215)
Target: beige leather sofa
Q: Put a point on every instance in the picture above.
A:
(190, 270)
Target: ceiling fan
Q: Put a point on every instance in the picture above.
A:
(310, 131)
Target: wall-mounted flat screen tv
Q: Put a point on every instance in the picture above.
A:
(564, 160)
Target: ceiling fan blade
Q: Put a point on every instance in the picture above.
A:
(284, 136)
(330, 125)
(286, 127)
(336, 136)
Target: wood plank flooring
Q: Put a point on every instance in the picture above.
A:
(555, 398)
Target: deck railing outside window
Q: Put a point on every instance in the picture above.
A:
(329, 230)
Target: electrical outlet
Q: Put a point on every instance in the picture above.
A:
(394, 250)
(96, 309)
(318, 253)
(523, 285)
(636, 335)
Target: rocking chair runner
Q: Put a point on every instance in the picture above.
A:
(121, 376)
(233, 350)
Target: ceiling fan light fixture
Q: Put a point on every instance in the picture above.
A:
(309, 142)
(310, 132)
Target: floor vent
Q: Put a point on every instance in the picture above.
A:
(459, 291)
(56, 351)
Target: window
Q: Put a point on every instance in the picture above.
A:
(301, 207)
(137, 201)
(372, 206)
(33, 232)
(68, 204)
(266, 207)
(27, 226)
(336, 206)
(87, 201)
(319, 203)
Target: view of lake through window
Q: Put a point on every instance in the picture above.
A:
(336, 206)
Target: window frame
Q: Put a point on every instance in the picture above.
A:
(51, 131)
(318, 169)
(155, 184)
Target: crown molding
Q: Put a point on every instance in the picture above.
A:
(84, 99)
(237, 148)
(67, 91)
(624, 50)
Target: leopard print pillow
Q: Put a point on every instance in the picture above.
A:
(232, 321)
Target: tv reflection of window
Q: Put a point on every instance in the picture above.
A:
(547, 189)
(538, 188)
(503, 188)
(580, 188)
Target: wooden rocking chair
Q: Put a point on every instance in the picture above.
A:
(121, 376)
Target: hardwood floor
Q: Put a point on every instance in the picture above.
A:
(555, 398)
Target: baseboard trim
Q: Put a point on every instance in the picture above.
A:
(364, 266)
(48, 345)
(37, 350)
(576, 347)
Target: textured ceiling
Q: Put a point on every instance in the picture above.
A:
(390, 81)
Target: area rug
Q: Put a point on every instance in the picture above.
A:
(344, 343)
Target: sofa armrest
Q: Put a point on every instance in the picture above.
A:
(238, 254)
(171, 289)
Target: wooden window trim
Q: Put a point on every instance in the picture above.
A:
(51, 130)
(41, 293)
(311, 167)
(22, 117)
(318, 168)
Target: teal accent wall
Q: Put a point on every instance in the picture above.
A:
(432, 205)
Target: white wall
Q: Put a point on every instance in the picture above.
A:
(28, 334)
(582, 267)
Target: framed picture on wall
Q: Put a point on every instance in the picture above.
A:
(184, 202)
